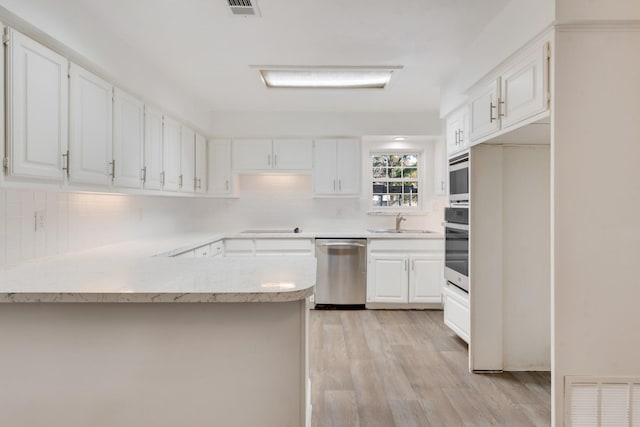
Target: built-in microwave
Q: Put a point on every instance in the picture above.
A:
(459, 179)
(456, 254)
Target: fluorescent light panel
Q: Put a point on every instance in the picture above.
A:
(334, 78)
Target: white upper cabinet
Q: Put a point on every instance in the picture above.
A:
(201, 164)
(520, 92)
(170, 154)
(252, 154)
(524, 88)
(485, 110)
(336, 168)
(256, 155)
(292, 154)
(37, 110)
(219, 163)
(128, 139)
(153, 165)
(187, 159)
(90, 142)
(458, 131)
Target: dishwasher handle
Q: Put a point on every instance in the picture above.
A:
(343, 245)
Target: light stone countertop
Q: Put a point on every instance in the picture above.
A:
(145, 272)
(129, 272)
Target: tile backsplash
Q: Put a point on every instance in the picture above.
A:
(34, 224)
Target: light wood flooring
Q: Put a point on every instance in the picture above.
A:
(405, 368)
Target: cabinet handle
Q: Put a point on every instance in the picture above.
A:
(413, 265)
(405, 264)
(268, 159)
(65, 158)
(112, 174)
(162, 178)
(441, 185)
(275, 160)
(491, 108)
(196, 182)
(143, 174)
(334, 185)
(339, 185)
(500, 108)
(180, 181)
(457, 141)
(460, 133)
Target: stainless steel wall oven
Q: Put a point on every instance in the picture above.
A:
(459, 179)
(456, 256)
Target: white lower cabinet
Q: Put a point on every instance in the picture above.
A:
(456, 311)
(403, 271)
(268, 246)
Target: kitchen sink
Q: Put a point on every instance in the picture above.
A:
(402, 230)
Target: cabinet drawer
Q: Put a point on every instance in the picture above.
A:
(456, 311)
(404, 245)
(216, 248)
(238, 247)
(304, 246)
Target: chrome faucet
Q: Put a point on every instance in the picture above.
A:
(399, 219)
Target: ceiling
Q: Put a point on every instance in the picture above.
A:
(204, 50)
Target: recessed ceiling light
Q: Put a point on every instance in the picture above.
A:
(327, 77)
(400, 138)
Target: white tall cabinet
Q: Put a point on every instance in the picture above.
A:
(170, 154)
(90, 138)
(153, 163)
(128, 139)
(37, 110)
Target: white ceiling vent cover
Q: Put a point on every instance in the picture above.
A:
(244, 7)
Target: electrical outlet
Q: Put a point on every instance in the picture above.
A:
(40, 220)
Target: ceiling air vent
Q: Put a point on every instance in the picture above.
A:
(244, 7)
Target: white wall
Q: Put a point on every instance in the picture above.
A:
(69, 31)
(576, 10)
(595, 149)
(78, 221)
(515, 25)
(281, 124)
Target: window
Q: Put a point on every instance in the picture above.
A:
(395, 180)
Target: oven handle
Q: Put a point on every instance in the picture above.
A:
(343, 245)
(455, 226)
(458, 166)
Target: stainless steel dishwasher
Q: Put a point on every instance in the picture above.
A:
(341, 279)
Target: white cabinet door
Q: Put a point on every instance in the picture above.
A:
(325, 168)
(485, 111)
(426, 278)
(440, 169)
(187, 159)
(457, 131)
(387, 279)
(348, 161)
(90, 141)
(128, 139)
(170, 154)
(219, 163)
(523, 88)
(252, 154)
(292, 154)
(201, 164)
(152, 170)
(37, 109)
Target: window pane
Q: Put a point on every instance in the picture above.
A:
(395, 187)
(379, 188)
(410, 187)
(409, 160)
(409, 201)
(395, 172)
(395, 160)
(377, 200)
(410, 173)
(379, 172)
(380, 160)
(394, 200)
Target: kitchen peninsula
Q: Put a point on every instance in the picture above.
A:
(115, 336)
